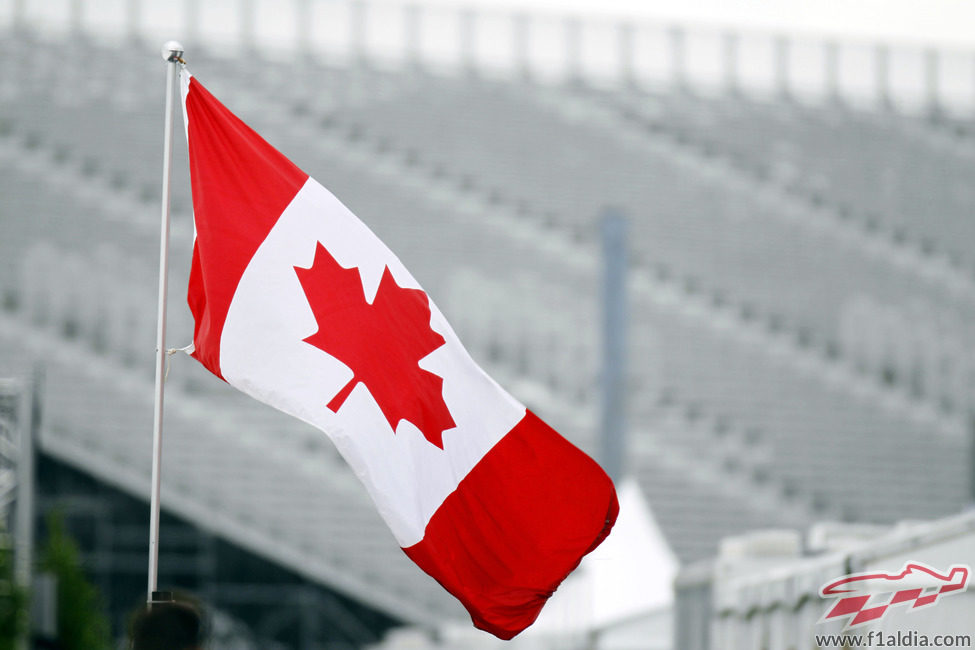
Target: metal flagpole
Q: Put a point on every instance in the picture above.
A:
(172, 53)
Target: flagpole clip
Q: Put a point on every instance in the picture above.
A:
(173, 51)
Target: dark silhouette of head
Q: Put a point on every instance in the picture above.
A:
(168, 626)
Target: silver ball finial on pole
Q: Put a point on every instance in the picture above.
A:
(172, 51)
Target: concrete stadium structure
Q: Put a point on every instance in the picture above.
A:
(801, 289)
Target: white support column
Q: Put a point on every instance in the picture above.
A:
(412, 25)
(133, 19)
(357, 33)
(932, 80)
(248, 26)
(521, 31)
(781, 64)
(882, 68)
(76, 17)
(832, 59)
(678, 57)
(19, 15)
(573, 49)
(626, 37)
(191, 21)
(730, 45)
(467, 24)
(303, 29)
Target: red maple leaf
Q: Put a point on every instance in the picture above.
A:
(382, 343)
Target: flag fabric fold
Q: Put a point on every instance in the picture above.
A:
(298, 304)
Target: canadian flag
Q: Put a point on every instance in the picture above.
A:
(298, 304)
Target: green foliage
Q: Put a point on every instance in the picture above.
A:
(82, 623)
(13, 598)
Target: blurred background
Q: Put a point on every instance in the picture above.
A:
(727, 249)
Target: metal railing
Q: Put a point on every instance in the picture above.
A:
(546, 47)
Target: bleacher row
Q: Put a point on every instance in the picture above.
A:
(913, 343)
(750, 400)
(869, 168)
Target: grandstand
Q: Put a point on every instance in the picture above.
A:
(801, 295)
